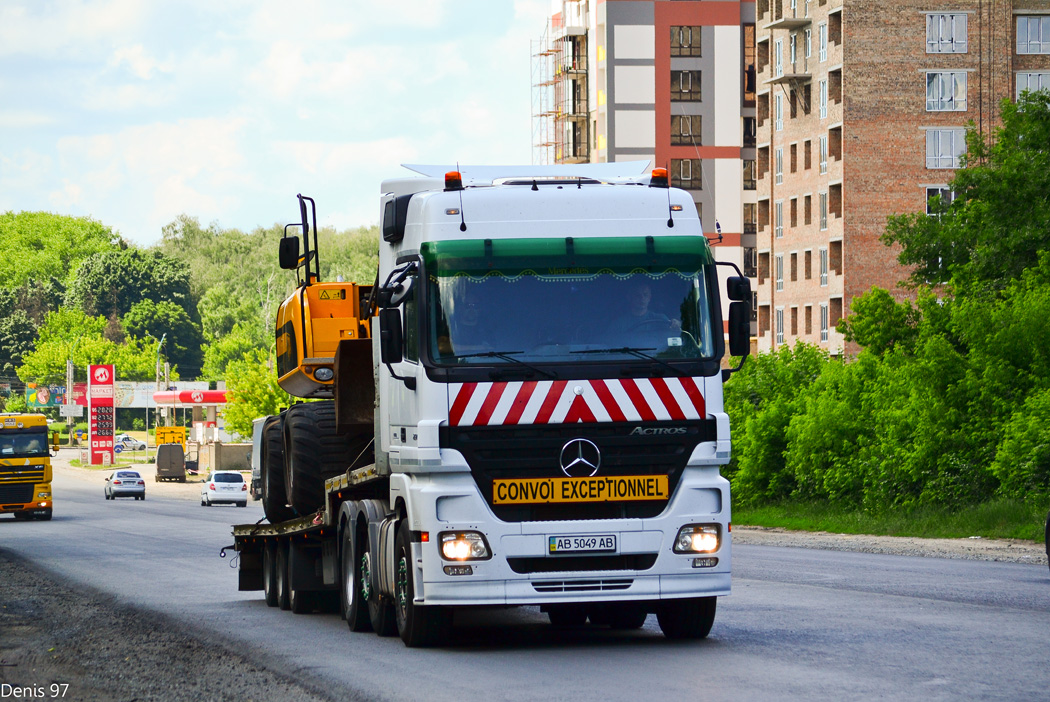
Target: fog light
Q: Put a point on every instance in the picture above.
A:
(709, 562)
(697, 538)
(464, 546)
(43, 504)
(324, 374)
(458, 570)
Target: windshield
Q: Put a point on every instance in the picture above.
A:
(30, 443)
(566, 300)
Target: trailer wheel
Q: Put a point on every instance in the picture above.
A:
(299, 601)
(269, 574)
(352, 594)
(687, 618)
(283, 596)
(418, 625)
(314, 452)
(275, 502)
(380, 611)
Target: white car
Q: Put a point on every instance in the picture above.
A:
(130, 443)
(224, 487)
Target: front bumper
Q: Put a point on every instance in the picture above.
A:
(522, 572)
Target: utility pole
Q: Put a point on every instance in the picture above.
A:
(157, 386)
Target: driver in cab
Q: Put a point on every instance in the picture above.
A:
(637, 320)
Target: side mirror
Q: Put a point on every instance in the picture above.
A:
(390, 337)
(738, 288)
(289, 253)
(740, 327)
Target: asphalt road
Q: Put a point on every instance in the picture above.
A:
(801, 624)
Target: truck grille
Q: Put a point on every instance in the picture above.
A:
(533, 451)
(573, 564)
(16, 493)
(9, 477)
(582, 585)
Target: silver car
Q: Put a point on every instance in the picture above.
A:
(125, 483)
(224, 486)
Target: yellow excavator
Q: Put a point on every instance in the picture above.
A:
(324, 355)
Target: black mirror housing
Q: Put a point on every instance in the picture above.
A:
(288, 254)
(740, 327)
(738, 288)
(391, 343)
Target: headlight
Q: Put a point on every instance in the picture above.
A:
(464, 546)
(42, 495)
(324, 374)
(697, 538)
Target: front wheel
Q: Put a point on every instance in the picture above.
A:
(687, 618)
(418, 625)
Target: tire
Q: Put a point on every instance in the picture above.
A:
(203, 503)
(380, 611)
(314, 452)
(242, 504)
(418, 625)
(628, 616)
(353, 598)
(269, 574)
(275, 503)
(300, 601)
(687, 618)
(567, 616)
(283, 596)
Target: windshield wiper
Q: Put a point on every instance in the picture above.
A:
(506, 356)
(637, 353)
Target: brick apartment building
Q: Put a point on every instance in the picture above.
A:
(662, 81)
(862, 107)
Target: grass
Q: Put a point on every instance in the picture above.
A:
(998, 519)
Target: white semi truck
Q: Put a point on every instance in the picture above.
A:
(526, 409)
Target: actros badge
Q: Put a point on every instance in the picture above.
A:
(580, 458)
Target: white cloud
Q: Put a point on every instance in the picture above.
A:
(138, 61)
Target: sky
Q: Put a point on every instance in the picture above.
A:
(133, 112)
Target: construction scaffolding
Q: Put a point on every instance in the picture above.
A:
(560, 102)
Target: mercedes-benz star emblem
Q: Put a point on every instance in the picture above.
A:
(580, 458)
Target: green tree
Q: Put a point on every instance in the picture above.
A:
(879, 323)
(17, 334)
(242, 339)
(183, 340)
(1000, 218)
(71, 334)
(110, 283)
(251, 391)
(43, 246)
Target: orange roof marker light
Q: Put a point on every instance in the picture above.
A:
(453, 181)
(659, 178)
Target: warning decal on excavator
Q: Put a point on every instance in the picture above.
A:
(339, 294)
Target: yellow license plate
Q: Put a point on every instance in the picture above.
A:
(620, 488)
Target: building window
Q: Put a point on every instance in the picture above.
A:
(793, 51)
(946, 91)
(686, 173)
(778, 221)
(823, 322)
(685, 86)
(823, 213)
(807, 44)
(823, 162)
(778, 167)
(1033, 35)
(823, 263)
(750, 219)
(780, 325)
(809, 319)
(945, 147)
(943, 192)
(1032, 82)
(807, 209)
(778, 272)
(685, 41)
(794, 270)
(749, 174)
(750, 131)
(946, 34)
(822, 41)
(778, 112)
(823, 99)
(685, 130)
(807, 267)
(778, 58)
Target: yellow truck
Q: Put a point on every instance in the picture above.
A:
(25, 466)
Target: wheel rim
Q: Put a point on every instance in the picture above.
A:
(366, 578)
(402, 584)
(348, 580)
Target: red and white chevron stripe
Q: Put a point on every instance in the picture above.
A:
(572, 401)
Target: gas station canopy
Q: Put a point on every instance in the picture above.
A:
(190, 398)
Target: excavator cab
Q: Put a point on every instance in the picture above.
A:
(316, 317)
